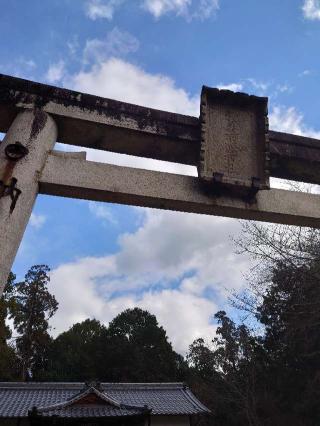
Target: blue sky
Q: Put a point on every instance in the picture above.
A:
(158, 53)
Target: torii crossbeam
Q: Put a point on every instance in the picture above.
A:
(34, 116)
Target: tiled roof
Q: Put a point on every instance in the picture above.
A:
(91, 410)
(17, 399)
(91, 401)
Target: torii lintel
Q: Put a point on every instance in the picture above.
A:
(230, 143)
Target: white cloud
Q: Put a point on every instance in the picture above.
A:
(284, 88)
(188, 9)
(305, 73)
(56, 72)
(184, 316)
(118, 79)
(168, 247)
(173, 246)
(37, 220)
(74, 287)
(117, 43)
(206, 8)
(234, 87)
(73, 45)
(103, 212)
(160, 7)
(19, 67)
(96, 9)
(290, 120)
(260, 87)
(311, 9)
(28, 63)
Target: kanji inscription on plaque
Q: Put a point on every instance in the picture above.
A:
(234, 140)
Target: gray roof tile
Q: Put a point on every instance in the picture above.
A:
(92, 410)
(16, 399)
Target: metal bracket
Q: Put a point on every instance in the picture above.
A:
(16, 151)
(11, 191)
(217, 188)
(250, 198)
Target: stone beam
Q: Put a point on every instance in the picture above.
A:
(95, 122)
(295, 157)
(77, 178)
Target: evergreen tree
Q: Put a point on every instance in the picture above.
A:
(290, 313)
(75, 354)
(134, 348)
(147, 355)
(231, 367)
(270, 376)
(8, 361)
(33, 307)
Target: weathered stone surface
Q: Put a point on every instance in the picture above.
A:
(234, 140)
(95, 122)
(37, 131)
(74, 178)
(135, 130)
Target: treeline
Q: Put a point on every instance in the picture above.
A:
(261, 370)
(133, 347)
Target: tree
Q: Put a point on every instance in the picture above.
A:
(141, 348)
(133, 348)
(33, 307)
(7, 358)
(284, 297)
(207, 383)
(75, 354)
(230, 368)
(269, 373)
(291, 316)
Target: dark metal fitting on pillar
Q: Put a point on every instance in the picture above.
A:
(11, 191)
(217, 179)
(250, 198)
(16, 151)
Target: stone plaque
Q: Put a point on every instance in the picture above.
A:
(234, 152)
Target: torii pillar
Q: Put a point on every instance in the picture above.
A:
(23, 154)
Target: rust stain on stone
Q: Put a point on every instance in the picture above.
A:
(6, 177)
(7, 173)
(39, 121)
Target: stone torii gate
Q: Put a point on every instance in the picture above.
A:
(230, 144)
